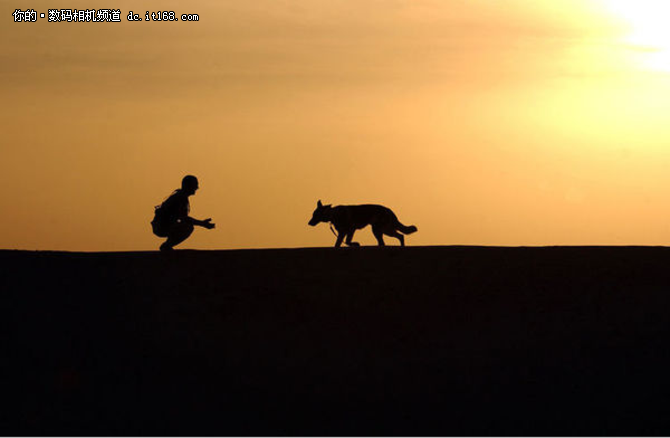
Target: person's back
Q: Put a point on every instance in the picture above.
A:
(174, 208)
(171, 218)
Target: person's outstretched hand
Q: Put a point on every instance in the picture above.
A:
(207, 223)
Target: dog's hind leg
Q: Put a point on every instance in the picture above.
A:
(350, 236)
(397, 235)
(379, 235)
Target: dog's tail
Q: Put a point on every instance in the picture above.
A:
(405, 229)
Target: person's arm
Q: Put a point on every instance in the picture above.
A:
(184, 209)
(207, 223)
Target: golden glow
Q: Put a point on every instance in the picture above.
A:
(648, 30)
(516, 122)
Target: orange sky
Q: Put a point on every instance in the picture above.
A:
(516, 122)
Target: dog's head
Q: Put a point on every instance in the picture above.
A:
(321, 214)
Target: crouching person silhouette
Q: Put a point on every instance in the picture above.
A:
(171, 218)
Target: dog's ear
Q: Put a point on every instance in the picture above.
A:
(319, 204)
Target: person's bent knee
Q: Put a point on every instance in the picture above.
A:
(184, 229)
(188, 226)
(179, 232)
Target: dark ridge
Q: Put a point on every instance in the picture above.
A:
(357, 341)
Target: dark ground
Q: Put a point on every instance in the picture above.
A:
(363, 341)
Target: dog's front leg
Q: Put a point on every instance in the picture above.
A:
(340, 238)
(349, 242)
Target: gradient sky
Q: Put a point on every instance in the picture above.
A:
(515, 122)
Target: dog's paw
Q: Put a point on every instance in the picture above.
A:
(354, 244)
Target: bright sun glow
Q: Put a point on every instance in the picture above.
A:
(648, 31)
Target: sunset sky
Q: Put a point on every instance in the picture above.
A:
(482, 122)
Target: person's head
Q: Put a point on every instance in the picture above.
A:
(189, 184)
